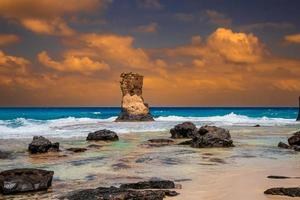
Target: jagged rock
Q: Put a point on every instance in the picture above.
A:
(295, 139)
(113, 193)
(298, 118)
(133, 106)
(40, 144)
(292, 192)
(283, 145)
(77, 149)
(212, 136)
(104, 134)
(24, 180)
(154, 184)
(160, 142)
(184, 130)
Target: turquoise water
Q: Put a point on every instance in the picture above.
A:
(105, 113)
(70, 122)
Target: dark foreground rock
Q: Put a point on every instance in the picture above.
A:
(294, 142)
(113, 193)
(77, 150)
(295, 139)
(160, 142)
(40, 144)
(292, 192)
(279, 177)
(283, 145)
(25, 180)
(104, 134)
(212, 136)
(184, 130)
(159, 184)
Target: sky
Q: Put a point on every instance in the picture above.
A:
(190, 52)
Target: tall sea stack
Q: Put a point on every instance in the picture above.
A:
(298, 118)
(133, 106)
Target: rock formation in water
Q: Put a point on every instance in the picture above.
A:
(298, 118)
(133, 106)
(184, 130)
(104, 134)
(41, 144)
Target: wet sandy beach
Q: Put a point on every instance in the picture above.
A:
(216, 173)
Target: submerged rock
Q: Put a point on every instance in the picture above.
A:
(104, 134)
(295, 139)
(25, 180)
(292, 192)
(113, 193)
(40, 144)
(155, 184)
(6, 155)
(283, 145)
(212, 136)
(133, 106)
(77, 149)
(160, 142)
(184, 130)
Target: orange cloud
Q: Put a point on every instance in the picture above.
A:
(12, 64)
(46, 16)
(293, 38)
(117, 50)
(149, 28)
(6, 39)
(224, 44)
(236, 47)
(83, 65)
(48, 27)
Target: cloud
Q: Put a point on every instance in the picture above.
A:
(295, 38)
(47, 16)
(7, 39)
(149, 28)
(150, 4)
(115, 49)
(83, 65)
(239, 48)
(236, 47)
(48, 27)
(217, 18)
(12, 64)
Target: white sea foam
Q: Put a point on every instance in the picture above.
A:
(79, 127)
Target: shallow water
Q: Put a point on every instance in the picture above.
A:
(214, 174)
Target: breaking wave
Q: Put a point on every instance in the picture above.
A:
(79, 127)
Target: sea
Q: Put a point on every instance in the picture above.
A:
(69, 122)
